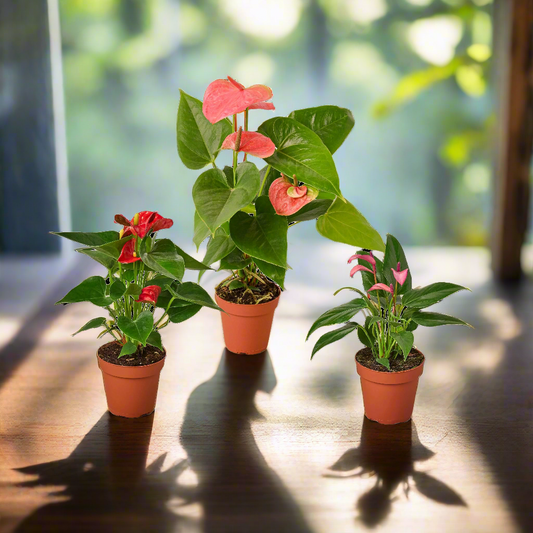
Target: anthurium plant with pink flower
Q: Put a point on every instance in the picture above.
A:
(246, 211)
(391, 308)
(143, 290)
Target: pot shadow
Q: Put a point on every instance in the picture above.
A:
(389, 454)
(108, 485)
(238, 490)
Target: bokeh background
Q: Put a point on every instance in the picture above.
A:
(415, 73)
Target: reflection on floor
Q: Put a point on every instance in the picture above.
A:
(259, 443)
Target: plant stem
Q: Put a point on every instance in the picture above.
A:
(245, 128)
(264, 180)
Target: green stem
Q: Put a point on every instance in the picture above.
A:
(264, 180)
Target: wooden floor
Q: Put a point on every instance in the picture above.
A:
(276, 443)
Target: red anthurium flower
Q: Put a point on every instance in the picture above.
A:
(400, 275)
(142, 223)
(224, 98)
(251, 142)
(288, 198)
(359, 268)
(368, 258)
(128, 254)
(150, 294)
(381, 287)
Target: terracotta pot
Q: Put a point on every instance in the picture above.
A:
(131, 391)
(247, 327)
(389, 397)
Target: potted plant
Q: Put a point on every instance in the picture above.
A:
(141, 293)
(390, 364)
(245, 212)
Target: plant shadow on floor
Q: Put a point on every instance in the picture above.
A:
(108, 485)
(238, 490)
(389, 454)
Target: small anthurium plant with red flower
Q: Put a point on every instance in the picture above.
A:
(246, 210)
(391, 308)
(143, 290)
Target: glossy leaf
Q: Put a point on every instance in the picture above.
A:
(430, 320)
(271, 177)
(134, 289)
(113, 249)
(383, 361)
(199, 141)
(394, 254)
(364, 336)
(275, 273)
(216, 202)
(183, 313)
(117, 290)
(333, 336)
(128, 349)
(92, 290)
(138, 329)
(301, 152)
(311, 211)
(163, 259)
(234, 260)
(92, 324)
(154, 339)
(344, 223)
(331, 123)
(201, 231)
(194, 294)
(190, 262)
(89, 239)
(104, 259)
(218, 247)
(338, 315)
(423, 297)
(263, 236)
(405, 340)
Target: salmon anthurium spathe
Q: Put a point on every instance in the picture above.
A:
(251, 142)
(287, 197)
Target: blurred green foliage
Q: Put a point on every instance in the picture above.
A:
(414, 72)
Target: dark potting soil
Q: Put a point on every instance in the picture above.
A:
(147, 355)
(267, 292)
(414, 359)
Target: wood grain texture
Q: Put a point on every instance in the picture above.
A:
(276, 443)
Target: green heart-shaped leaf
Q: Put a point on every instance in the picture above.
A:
(163, 258)
(138, 329)
(263, 236)
(216, 202)
(300, 152)
(194, 294)
(90, 290)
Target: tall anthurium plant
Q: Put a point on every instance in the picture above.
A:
(246, 211)
(143, 290)
(391, 308)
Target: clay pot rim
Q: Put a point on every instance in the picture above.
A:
(391, 378)
(130, 366)
(247, 306)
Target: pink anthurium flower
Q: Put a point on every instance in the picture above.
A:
(224, 98)
(359, 268)
(150, 294)
(400, 275)
(369, 258)
(382, 287)
(251, 142)
(288, 198)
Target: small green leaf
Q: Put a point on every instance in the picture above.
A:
(163, 258)
(90, 290)
(92, 324)
(218, 247)
(383, 361)
(423, 297)
(338, 315)
(104, 259)
(311, 211)
(190, 262)
(182, 313)
(128, 349)
(365, 337)
(333, 336)
(201, 231)
(89, 239)
(394, 254)
(235, 284)
(154, 339)
(195, 294)
(235, 260)
(138, 329)
(114, 248)
(343, 223)
(430, 320)
(405, 340)
(117, 290)
(199, 141)
(134, 289)
(274, 272)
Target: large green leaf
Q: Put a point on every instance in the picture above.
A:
(90, 290)
(89, 239)
(331, 123)
(138, 329)
(394, 254)
(338, 315)
(430, 320)
(199, 141)
(423, 297)
(311, 211)
(216, 202)
(300, 152)
(275, 273)
(190, 262)
(92, 324)
(163, 258)
(405, 340)
(263, 236)
(112, 249)
(333, 336)
(194, 294)
(218, 247)
(344, 223)
(182, 313)
(100, 257)
(201, 231)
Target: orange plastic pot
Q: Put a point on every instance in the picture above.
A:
(389, 397)
(247, 327)
(131, 391)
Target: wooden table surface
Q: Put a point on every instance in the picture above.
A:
(276, 443)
